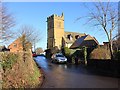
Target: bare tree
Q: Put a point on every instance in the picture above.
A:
(106, 17)
(30, 35)
(116, 44)
(55, 50)
(28, 38)
(6, 23)
(39, 50)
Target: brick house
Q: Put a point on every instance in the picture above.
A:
(17, 45)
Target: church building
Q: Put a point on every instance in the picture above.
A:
(56, 36)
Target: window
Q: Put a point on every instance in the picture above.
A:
(59, 56)
(69, 37)
(77, 36)
(15, 45)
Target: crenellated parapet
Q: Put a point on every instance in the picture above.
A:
(55, 16)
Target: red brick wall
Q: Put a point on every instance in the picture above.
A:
(16, 46)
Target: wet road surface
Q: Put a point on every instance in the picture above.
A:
(72, 76)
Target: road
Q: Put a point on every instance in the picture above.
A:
(72, 76)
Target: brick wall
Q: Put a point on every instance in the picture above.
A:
(16, 46)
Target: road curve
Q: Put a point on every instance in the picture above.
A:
(72, 76)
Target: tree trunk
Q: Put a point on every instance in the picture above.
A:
(111, 49)
(110, 45)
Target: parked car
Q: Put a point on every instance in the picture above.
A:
(59, 58)
(41, 55)
(34, 54)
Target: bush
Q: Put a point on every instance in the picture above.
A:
(8, 59)
(117, 55)
(24, 74)
(67, 52)
(100, 53)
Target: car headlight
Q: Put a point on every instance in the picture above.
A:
(65, 59)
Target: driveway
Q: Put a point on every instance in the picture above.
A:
(73, 76)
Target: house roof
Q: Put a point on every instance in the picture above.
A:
(18, 41)
(73, 34)
(86, 40)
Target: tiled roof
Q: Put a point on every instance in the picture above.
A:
(73, 34)
(86, 40)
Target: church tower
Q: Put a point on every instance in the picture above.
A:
(55, 31)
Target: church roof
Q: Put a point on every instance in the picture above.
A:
(86, 40)
(73, 36)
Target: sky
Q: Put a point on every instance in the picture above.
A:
(36, 13)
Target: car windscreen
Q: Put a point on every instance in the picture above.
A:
(59, 56)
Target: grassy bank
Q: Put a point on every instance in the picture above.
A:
(20, 72)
